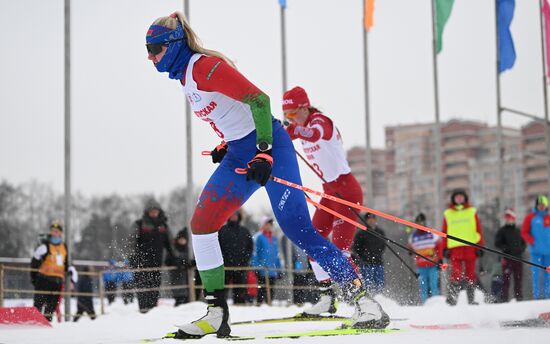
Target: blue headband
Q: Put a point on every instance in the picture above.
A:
(160, 34)
(178, 53)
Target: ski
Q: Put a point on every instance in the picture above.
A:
(172, 336)
(527, 323)
(535, 322)
(442, 327)
(295, 318)
(328, 333)
(301, 317)
(543, 320)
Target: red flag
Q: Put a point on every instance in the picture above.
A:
(546, 12)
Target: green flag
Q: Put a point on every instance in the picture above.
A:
(443, 10)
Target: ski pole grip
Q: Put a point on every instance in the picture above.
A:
(240, 170)
(548, 269)
(206, 153)
(444, 266)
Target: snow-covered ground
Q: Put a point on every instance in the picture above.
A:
(124, 324)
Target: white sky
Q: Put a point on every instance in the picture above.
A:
(128, 119)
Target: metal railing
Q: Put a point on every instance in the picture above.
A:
(101, 293)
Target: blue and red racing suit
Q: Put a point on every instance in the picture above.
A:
(239, 112)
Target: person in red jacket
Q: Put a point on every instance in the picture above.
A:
(322, 145)
(461, 220)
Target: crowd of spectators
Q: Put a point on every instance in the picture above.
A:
(254, 263)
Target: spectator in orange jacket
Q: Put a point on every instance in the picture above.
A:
(49, 265)
(461, 220)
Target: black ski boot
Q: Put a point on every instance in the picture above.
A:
(215, 321)
(452, 296)
(470, 292)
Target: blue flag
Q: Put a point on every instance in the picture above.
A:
(506, 50)
(282, 3)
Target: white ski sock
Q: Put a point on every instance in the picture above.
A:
(320, 274)
(208, 253)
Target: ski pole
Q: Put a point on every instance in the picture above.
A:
(442, 266)
(397, 219)
(405, 222)
(373, 232)
(378, 235)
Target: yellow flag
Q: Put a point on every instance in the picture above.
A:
(369, 14)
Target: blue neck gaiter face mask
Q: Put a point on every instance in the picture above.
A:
(177, 55)
(56, 240)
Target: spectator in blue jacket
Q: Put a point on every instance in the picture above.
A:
(266, 256)
(126, 280)
(110, 281)
(536, 232)
(114, 279)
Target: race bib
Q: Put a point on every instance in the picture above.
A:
(59, 259)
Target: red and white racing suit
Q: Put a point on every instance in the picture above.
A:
(323, 148)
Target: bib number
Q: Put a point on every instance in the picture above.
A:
(318, 169)
(59, 259)
(218, 132)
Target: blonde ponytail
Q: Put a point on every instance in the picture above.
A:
(195, 43)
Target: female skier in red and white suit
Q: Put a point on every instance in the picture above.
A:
(322, 145)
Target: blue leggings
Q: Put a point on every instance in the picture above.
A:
(226, 191)
(541, 259)
(428, 279)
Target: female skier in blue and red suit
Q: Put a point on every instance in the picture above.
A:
(239, 113)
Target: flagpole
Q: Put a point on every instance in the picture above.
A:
(500, 165)
(189, 202)
(189, 144)
(368, 151)
(67, 200)
(283, 47)
(437, 128)
(282, 5)
(544, 86)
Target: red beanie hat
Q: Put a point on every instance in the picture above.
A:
(509, 214)
(295, 98)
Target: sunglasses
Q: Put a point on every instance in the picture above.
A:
(291, 115)
(156, 48)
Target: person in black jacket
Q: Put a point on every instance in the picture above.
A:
(180, 259)
(368, 252)
(152, 238)
(509, 240)
(85, 303)
(236, 244)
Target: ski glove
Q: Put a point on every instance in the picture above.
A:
(218, 153)
(259, 168)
